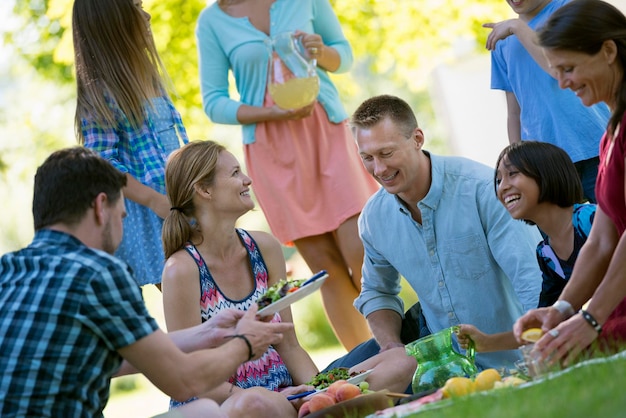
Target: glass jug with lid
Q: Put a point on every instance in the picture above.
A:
(292, 78)
(437, 361)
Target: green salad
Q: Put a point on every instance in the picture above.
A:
(323, 380)
(278, 290)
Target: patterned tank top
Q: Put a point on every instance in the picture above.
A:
(270, 370)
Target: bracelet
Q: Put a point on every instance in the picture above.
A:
(564, 308)
(591, 320)
(247, 341)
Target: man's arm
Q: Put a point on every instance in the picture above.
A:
(385, 325)
(209, 334)
(182, 375)
(380, 286)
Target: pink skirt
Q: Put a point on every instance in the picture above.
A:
(307, 175)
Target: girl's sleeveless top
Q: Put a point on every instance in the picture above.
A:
(269, 371)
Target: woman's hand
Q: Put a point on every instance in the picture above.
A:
(312, 43)
(565, 342)
(291, 114)
(544, 318)
(326, 57)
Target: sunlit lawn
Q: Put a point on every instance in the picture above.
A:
(594, 389)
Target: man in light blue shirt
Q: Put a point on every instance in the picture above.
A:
(436, 222)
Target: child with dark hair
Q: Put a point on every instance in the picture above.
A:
(538, 183)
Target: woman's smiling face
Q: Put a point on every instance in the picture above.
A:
(590, 77)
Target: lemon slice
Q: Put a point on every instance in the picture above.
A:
(532, 335)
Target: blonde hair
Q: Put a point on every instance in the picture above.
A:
(192, 164)
(117, 64)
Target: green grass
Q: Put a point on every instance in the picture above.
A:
(589, 390)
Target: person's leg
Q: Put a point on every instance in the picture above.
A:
(588, 171)
(321, 252)
(357, 355)
(413, 328)
(351, 249)
(199, 408)
(392, 369)
(258, 402)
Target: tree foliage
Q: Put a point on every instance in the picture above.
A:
(393, 41)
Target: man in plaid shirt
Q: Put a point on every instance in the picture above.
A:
(72, 316)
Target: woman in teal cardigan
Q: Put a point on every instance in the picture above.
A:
(308, 177)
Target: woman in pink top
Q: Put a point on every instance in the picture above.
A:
(308, 177)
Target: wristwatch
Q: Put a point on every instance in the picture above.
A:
(564, 307)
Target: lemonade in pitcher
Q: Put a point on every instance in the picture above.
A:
(292, 78)
(295, 93)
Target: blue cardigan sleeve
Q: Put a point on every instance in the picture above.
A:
(326, 24)
(213, 66)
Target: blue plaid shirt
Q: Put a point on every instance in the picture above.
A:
(65, 311)
(136, 151)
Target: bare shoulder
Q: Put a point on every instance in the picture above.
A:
(180, 267)
(265, 241)
(272, 253)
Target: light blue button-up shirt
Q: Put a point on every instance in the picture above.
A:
(469, 261)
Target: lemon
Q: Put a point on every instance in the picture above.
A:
(486, 379)
(510, 381)
(532, 335)
(458, 386)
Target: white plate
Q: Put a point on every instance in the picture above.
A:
(355, 380)
(292, 297)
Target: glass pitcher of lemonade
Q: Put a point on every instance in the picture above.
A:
(292, 79)
(437, 361)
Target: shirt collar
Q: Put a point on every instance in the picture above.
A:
(432, 198)
(47, 236)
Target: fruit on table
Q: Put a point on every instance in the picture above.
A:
(347, 391)
(304, 409)
(458, 386)
(532, 335)
(509, 381)
(486, 379)
(321, 401)
(332, 389)
(338, 391)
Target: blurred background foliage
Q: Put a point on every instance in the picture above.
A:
(396, 44)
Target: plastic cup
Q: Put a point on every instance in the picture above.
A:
(532, 362)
